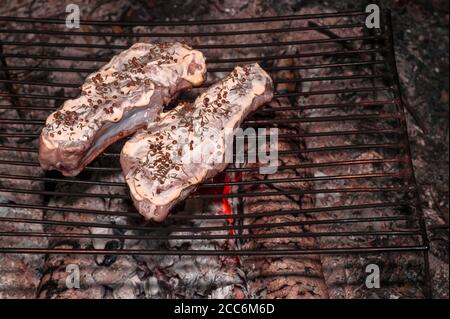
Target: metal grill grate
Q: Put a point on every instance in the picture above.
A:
(362, 85)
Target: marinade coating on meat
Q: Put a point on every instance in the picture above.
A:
(123, 96)
(155, 161)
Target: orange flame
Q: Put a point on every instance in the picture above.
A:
(227, 209)
(226, 204)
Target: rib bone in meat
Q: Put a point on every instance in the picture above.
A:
(123, 96)
(159, 162)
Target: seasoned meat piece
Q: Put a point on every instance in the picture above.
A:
(123, 96)
(164, 163)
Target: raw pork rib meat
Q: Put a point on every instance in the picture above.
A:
(124, 95)
(159, 163)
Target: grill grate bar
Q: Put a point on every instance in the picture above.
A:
(276, 95)
(316, 210)
(222, 184)
(313, 119)
(210, 61)
(353, 13)
(412, 232)
(280, 153)
(183, 34)
(210, 70)
(280, 109)
(155, 228)
(199, 47)
(313, 191)
(229, 195)
(279, 81)
(229, 169)
(280, 136)
(208, 252)
(336, 118)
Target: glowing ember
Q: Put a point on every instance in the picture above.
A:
(226, 204)
(227, 208)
